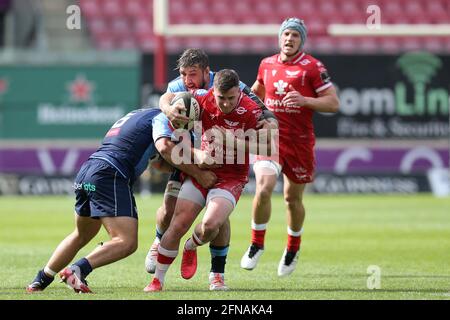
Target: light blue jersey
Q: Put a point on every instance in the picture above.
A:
(177, 85)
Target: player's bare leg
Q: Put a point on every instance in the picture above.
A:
(85, 229)
(295, 211)
(215, 226)
(266, 179)
(163, 217)
(185, 213)
(123, 241)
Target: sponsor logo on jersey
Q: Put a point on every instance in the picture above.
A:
(299, 170)
(274, 103)
(231, 123)
(280, 85)
(302, 177)
(241, 110)
(305, 62)
(292, 74)
(85, 186)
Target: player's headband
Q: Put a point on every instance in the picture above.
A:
(297, 25)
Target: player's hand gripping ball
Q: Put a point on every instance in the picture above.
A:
(191, 110)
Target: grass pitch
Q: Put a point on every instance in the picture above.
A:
(407, 237)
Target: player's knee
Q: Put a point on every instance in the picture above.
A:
(264, 193)
(180, 227)
(130, 247)
(210, 228)
(81, 239)
(127, 246)
(293, 201)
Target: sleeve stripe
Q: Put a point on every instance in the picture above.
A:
(325, 86)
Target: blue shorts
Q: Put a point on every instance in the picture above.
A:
(101, 191)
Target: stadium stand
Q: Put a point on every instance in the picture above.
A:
(122, 24)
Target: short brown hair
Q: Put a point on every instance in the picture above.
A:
(226, 79)
(192, 57)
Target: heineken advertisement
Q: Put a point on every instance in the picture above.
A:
(404, 97)
(65, 102)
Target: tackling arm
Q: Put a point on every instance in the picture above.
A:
(172, 111)
(165, 147)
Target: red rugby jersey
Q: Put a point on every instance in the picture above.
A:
(308, 76)
(244, 116)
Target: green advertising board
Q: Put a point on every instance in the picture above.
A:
(65, 101)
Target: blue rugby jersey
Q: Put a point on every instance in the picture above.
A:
(177, 85)
(128, 146)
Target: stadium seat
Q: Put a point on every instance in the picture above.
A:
(105, 41)
(316, 26)
(142, 24)
(112, 9)
(146, 42)
(390, 45)
(305, 9)
(237, 45)
(322, 44)
(98, 25)
(268, 45)
(214, 44)
(175, 45)
(133, 8)
(413, 8)
(434, 44)
(368, 45)
(350, 9)
(126, 42)
(347, 45)
(90, 8)
(392, 10)
(134, 19)
(121, 27)
(412, 43)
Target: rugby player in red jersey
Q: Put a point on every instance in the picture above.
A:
(293, 86)
(225, 107)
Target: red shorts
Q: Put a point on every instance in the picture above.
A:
(297, 161)
(235, 187)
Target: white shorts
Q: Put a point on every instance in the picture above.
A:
(267, 167)
(172, 188)
(190, 192)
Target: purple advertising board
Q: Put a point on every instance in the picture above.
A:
(340, 160)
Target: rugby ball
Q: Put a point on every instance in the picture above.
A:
(192, 109)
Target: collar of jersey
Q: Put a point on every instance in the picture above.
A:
(299, 56)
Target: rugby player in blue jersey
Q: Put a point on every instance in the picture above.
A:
(195, 73)
(104, 196)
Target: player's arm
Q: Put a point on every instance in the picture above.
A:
(172, 111)
(205, 178)
(327, 100)
(253, 141)
(162, 166)
(268, 119)
(259, 89)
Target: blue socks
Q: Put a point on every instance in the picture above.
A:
(218, 258)
(85, 267)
